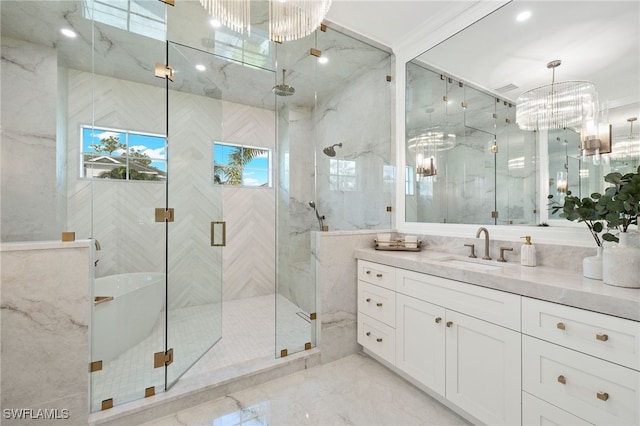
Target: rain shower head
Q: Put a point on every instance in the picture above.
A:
(330, 150)
(283, 89)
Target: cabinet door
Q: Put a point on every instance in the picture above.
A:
(483, 369)
(536, 412)
(420, 345)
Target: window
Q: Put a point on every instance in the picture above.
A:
(241, 165)
(408, 181)
(342, 175)
(123, 155)
(144, 17)
(250, 50)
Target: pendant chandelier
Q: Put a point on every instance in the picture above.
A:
(288, 19)
(562, 105)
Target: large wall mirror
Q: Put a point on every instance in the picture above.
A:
(469, 162)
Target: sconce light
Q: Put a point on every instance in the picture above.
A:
(426, 167)
(626, 146)
(595, 141)
(562, 183)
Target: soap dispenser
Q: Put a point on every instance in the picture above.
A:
(527, 252)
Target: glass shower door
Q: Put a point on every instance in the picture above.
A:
(196, 236)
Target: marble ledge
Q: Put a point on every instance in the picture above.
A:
(539, 282)
(43, 245)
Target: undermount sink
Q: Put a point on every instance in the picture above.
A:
(470, 264)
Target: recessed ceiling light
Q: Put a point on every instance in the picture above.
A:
(323, 60)
(69, 33)
(215, 23)
(523, 16)
(200, 67)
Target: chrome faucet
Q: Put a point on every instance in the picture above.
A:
(486, 242)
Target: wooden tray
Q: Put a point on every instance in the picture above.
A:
(397, 245)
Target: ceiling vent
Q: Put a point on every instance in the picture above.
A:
(507, 88)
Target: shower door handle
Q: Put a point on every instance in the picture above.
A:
(222, 242)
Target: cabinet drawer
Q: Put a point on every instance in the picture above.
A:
(377, 337)
(600, 335)
(495, 306)
(599, 391)
(374, 273)
(536, 412)
(377, 302)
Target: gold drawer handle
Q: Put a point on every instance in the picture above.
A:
(562, 379)
(438, 320)
(379, 275)
(603, 396)
(368, 272)
(379, 304)
(379, 339)
(449, 323)
(368, 333)
(560, 326)
(368, 299)
(602, 337)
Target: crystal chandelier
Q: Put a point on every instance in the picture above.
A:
(562, 105)
(288, 19)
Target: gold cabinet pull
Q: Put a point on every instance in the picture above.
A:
(562, 379)
(368, 299)
(379, 339)
(379, 275)
(560, 326)
(379, 304)
(368, 272)
(602, 396)
(438, 320)
(449, 323)
(368, 333)
(602, 337)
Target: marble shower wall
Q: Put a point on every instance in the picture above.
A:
(29, 209)
(123, 212)
(45, 320)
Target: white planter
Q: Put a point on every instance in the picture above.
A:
(592, 266)
(621, 263)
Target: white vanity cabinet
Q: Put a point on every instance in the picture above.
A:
(459, 340)
(579, 363)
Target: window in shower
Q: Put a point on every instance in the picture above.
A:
(122, 155)
(342, 175)
(144, 17)
(241, 165)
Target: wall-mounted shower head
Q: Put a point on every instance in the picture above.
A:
(283, 89)
(312, 204)
(330, 150)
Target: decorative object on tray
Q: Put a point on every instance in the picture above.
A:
(409, 243)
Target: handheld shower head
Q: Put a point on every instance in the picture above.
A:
(312, 204)
(330, 150)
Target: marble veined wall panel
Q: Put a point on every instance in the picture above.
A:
(28, 142)
(45, 318)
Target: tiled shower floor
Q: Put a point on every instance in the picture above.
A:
(248, 333)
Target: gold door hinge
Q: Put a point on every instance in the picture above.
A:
(107, 403)
(164, 71)
(313, 316)
(95, 366)
(316, 52)
(68, 237)
(165, 215)
(169, 2)
(150, 391)
(284, 353)
(494, 215)
(389, 78)
(389, 208)
(160, 359)
(307, 346)
(494, 149)
(323, 28)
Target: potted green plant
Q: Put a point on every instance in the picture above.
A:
(620, 207)
(583, 210)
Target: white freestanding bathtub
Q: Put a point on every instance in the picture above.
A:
(126, 308)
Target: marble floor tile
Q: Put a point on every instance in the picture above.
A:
(354, 390)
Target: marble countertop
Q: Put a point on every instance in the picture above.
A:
(539, 282)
